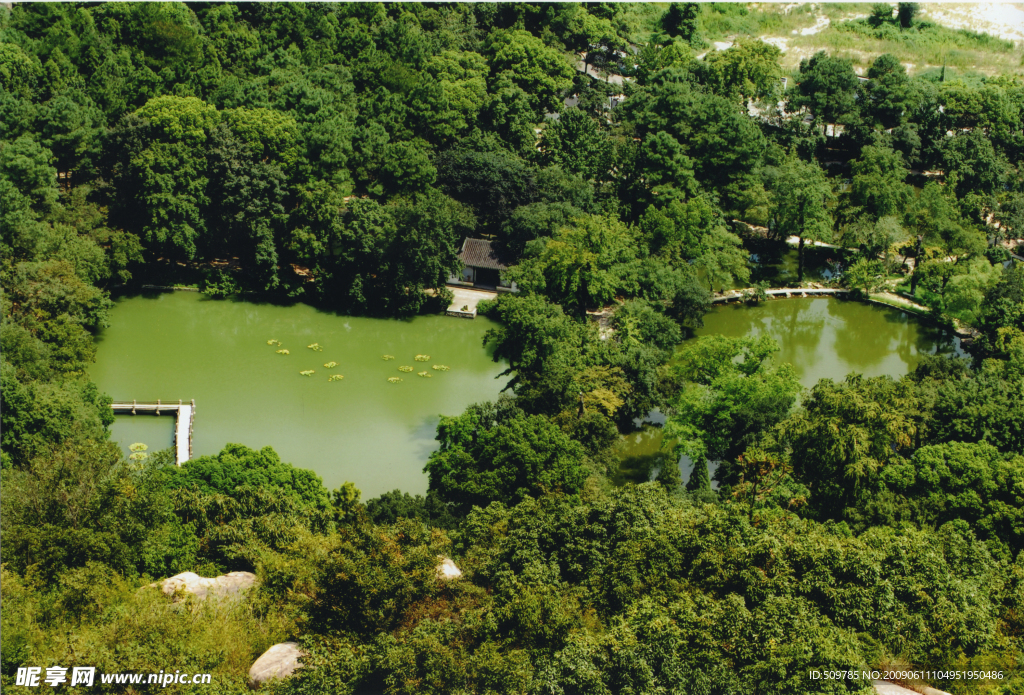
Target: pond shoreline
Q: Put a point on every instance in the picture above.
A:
(892, 300)
(359, 427)
(821, 339)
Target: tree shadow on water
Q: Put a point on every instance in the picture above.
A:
(639, 468)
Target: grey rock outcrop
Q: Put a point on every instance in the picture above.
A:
(280, 661)
(226, 586)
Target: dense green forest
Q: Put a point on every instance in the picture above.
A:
(338, 154)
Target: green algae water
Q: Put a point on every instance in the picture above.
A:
(828, 338)
(362, 428)
(823, 338)
(379, 434)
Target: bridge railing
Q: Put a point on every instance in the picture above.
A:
(157, 405)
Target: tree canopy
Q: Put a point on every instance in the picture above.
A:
(626, 173)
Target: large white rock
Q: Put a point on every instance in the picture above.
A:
(280, 661)
(226, 586)
(447, 569)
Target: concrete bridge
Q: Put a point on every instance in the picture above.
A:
(184, 414)
(741, 295)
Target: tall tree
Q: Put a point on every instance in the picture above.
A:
(682, 127)
(495, 452)
(877, 187)
(682, 19)
(246, 214)
(160, 172)
(519, 59)
(890, 94)
(800, 204)
(828, 87)
(845, 435)
(576, 144)
(748, 70)
(585, 265)
(731, 394)
(905, 13)
(493, 183)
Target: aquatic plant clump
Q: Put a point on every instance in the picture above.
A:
(426, 374)
(335, 377)
(315, 347)
(394, 380)
(387, 357)
(273, 342)
(331, 365)
(283, 352)
(308, 372)
(405, 369)
(137, 446)
(441, 368)
(421, 358)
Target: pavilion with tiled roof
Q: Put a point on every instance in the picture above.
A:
(482, 265)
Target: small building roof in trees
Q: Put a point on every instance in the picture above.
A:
(480, 253)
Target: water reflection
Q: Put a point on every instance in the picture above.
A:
(822, 338)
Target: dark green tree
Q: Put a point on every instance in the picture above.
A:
(159, 170)
(877, 187)
(493, 184)
(682, 19)
(844, 437)
(495, 452)
(828, 87)
(905, 12)
(237, 465)
(731, 395)
(890, 94)
(800, 198)
(576, 144)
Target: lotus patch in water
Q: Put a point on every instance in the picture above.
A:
(273, 342)
(335, 377)
(387, 357)
(331, 365)
(426, 374)
(315, 347)
(394, 380)
(308, 372)
(405, 369)
(441, 367)
(283, 352)
(421, 358)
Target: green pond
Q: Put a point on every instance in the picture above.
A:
(378, 434)
(183, 345)
(822, 338)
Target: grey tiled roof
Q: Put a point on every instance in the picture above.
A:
(480, 253)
